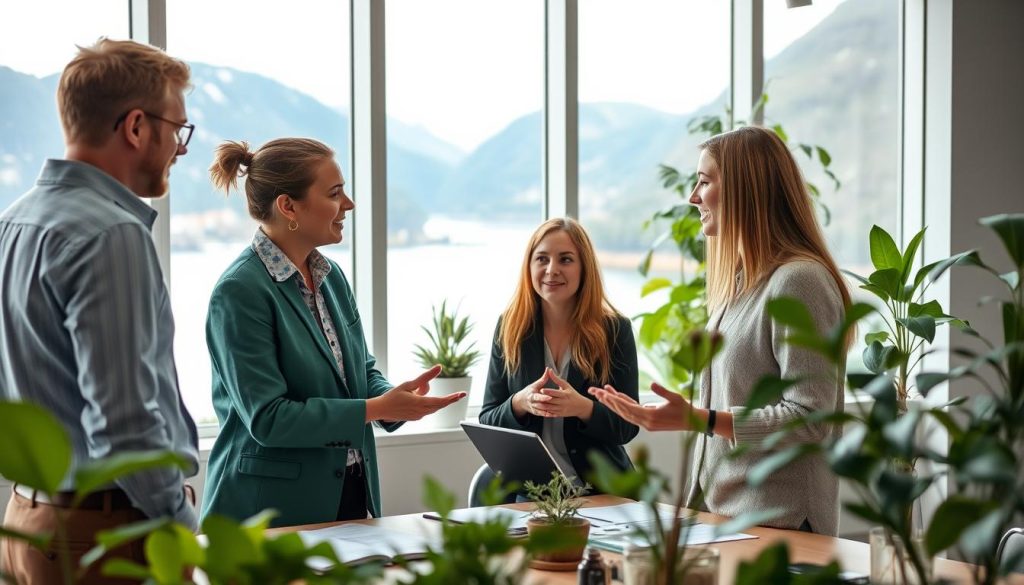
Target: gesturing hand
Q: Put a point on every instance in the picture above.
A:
(672, 415)
(408, 401)
(563, 401)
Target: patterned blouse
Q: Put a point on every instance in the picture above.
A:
(281, 269)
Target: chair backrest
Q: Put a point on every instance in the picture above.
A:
(1011, 550)
(481, 479)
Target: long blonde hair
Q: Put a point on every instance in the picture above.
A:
(766, 217)
(591, 316)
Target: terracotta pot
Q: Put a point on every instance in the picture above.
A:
(578, 527)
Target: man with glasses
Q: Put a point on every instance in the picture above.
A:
(85, 319)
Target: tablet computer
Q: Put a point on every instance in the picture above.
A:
(517, 455)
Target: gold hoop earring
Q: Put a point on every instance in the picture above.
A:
(293, 225)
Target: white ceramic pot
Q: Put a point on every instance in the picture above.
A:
(453, 414)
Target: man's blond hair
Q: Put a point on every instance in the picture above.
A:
(109, 78)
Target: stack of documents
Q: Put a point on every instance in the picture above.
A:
(361, 543)
(615, 527)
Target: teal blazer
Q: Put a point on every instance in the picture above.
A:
(287, 419)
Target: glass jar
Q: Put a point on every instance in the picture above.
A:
(695, 566)
(890, 559)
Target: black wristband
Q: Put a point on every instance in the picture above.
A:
(711, 423)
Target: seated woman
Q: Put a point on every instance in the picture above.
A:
(294, 387)
(558, 336)
(763, 242)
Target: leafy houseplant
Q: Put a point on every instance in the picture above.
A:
(557, 502)
(37, 454)
(985, 433)
(447, 335)
(910, 319)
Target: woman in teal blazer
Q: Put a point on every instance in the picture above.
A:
(294, 387)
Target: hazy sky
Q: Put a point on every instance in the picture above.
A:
(463, 69)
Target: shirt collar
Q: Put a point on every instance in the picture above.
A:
(78, 173)
(280, 267)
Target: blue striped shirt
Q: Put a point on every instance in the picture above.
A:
(86, 329)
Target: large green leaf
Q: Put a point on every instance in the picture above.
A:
(791, 313)
(928, 380)
(952, 517)
(36, 452)
(900, 433)
(653, 285)
(888, 281)
(767, 390)
(923, 326)
(879, 358)
(968, 258)
(230, 547)
(771, 566)
(884, 253)
(110, 539)
(1010, 229)
(165, 557)
(908, 256)
(99, 473)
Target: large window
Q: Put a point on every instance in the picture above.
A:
(260, 71)
(31, 60)
(831, 72)
(644, 73)
(464, 99)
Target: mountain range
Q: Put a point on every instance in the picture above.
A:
(835, 86)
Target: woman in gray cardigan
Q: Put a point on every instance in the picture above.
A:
(763, 242)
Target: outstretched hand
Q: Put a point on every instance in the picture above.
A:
(672, 415)
(408, 400)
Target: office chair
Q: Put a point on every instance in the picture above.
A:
(1011, 549)
(481, 479)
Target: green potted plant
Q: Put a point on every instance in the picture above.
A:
(985, 434)
(39, 457)
(557, 503)
(447, 336)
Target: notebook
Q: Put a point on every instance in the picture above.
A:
(361, 543)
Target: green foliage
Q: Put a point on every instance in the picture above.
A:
(36, 453)
(985, 434)
(662, 330)
(468, 550)
(40, 456)
(445, 338)
(772, 566)
(557, 500)
(910, 319)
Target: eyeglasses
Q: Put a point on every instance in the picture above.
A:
(183, 134)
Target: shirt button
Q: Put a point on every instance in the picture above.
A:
(339, 473)
(332, 344)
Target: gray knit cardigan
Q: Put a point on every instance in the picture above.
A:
(806, 491)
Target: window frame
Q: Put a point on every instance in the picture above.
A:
(148, 23)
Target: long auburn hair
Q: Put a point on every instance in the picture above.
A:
(766, 217)
(591, 316)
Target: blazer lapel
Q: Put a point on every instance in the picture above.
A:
(291, 293)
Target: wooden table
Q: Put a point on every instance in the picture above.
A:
(803, 547)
